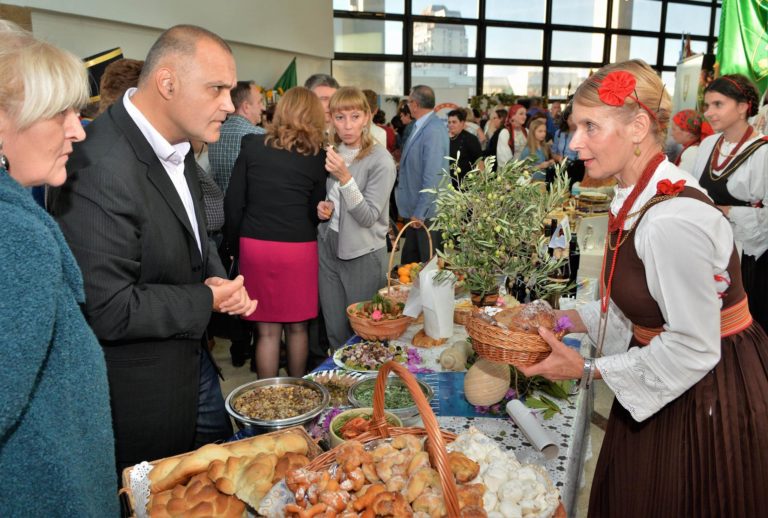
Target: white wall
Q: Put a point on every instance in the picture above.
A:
(265, 35)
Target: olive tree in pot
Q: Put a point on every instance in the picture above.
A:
(493, 226)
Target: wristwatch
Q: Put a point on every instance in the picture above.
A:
(588, 373)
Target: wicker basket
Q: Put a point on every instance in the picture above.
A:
(385, 329)
(377, 329)
(380, 429)
(501, 345)
(396, 281)
(461, 314)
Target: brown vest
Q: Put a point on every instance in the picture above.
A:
(630, 289)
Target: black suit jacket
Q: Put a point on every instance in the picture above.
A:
(143, 273)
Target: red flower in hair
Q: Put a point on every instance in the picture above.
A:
(615, 87)
(668, 188)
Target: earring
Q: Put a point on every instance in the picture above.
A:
(3, 160)
(637, 150)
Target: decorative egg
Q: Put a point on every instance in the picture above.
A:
(486, 382)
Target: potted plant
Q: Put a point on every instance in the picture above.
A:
(493, 226)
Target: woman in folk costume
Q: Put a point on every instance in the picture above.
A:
(513, 137)
(732, 166)
(687, 129)
(688, 431)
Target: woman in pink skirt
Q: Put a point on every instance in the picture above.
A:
(271, 216)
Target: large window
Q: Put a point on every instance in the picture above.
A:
(525, 47)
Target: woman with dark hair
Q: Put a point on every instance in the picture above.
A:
(732, 166)
(271, 217)
(498, 116)
(688, 430)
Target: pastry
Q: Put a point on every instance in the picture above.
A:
(422, 340)
(289, 462)
(527, 318)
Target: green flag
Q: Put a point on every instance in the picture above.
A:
(742, 46)
(288, 79)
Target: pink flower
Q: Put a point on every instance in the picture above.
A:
(377, 315)
(615, 87)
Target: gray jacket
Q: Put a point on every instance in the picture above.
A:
(363, 227)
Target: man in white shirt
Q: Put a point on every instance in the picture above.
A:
(133, 216)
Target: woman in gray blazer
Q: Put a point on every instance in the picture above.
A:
(355, 215)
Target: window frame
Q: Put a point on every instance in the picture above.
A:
(408, 58)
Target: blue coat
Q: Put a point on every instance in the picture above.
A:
(423, 164)
(56, 445)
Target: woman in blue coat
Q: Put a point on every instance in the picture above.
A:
(56, 445)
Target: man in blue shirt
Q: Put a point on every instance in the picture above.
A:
(423, 164)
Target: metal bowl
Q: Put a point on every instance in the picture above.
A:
(402, 413)
(276, 424)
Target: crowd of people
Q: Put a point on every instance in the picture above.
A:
(179, 201)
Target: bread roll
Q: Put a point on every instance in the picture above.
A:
(248, 478)
(528, 317)
(288, 462)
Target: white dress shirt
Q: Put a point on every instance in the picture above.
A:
(172, 158)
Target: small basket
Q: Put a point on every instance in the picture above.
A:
(380, 429)
(502, 345)
(395, 281)
(461, 315)
(377, 329)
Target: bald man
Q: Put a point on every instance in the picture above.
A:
(133, 216)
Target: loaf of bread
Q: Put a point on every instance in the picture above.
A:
(173, 471)
(199, 498)
(248, 478)
(527, 318)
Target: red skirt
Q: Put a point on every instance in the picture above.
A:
(282, 277)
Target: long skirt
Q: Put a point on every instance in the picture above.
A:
(705, 454)
(754, 275)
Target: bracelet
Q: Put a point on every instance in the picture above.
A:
(588, 373)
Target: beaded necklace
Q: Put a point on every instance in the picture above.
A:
(716, 155)
(617, 224)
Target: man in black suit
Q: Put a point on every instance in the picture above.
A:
(132, 213)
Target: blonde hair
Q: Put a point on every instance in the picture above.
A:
(351, 98)
(649, 90)
(298, 124)
(534, 145)
(39, 79)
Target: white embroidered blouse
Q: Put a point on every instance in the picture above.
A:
(749, 183)
(683, 244)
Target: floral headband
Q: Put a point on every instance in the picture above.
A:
(617, 86)
(688, 120)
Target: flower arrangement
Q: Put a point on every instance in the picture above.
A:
(493, 226)
(379, 308)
